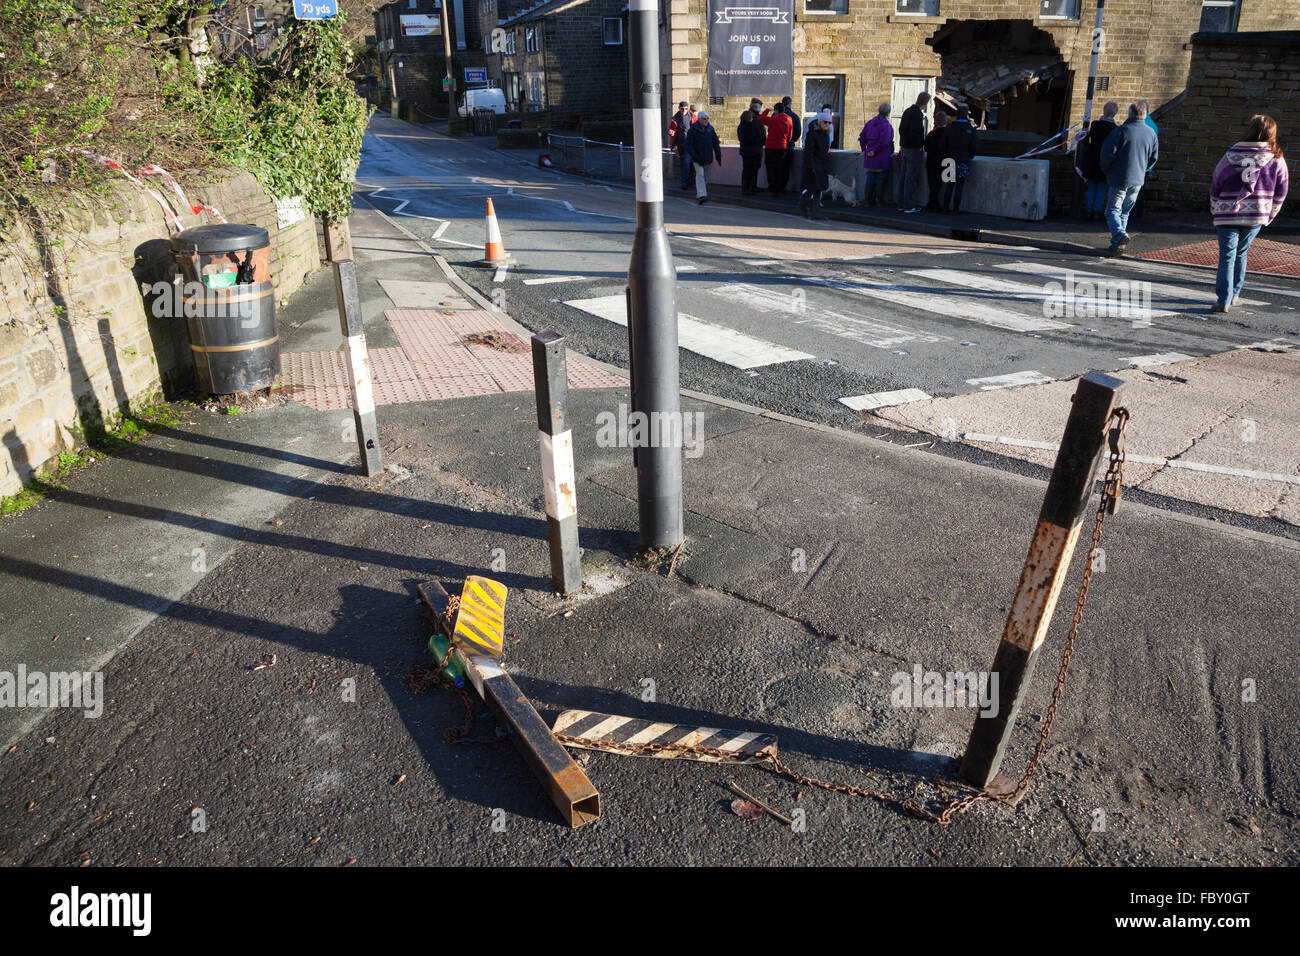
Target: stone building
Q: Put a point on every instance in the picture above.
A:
(408, 32)
(567, 58)
(1020, 65)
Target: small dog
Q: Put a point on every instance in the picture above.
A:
(840, 190)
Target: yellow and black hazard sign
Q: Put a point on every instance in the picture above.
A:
(481, 617)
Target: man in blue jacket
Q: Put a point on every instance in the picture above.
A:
(1126, 156)
(702, 146)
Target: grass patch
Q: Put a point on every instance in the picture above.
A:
(133, 426)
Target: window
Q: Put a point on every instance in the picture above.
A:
(533, 39)
(917, 8)
(411, 3)
(612, 30)
(825, 89)
(1218, 16)
(1059, 9)
(825, 6)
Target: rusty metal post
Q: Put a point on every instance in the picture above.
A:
(1045, 570)
(358, 361)
(555, 437)
(568, 787)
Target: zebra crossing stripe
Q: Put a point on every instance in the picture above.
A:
(1100, 305)
(865, 403)
(1160, 358)
(1165, 291)
(718, 342)
(596, 731)
(1010, 380)
(481, 616)
(946, 304)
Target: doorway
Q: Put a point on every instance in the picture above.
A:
(903, 91)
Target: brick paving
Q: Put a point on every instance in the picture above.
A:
(441, 354)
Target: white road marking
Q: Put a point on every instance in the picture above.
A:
(441, 229)
(1159, 358)
(1273, 345)
(500, 274)
(943, 252)
(949, 306)
(870, 332)
(400, 206)
(687, 269)
(761, 262)
(718, 342)
(1098, 305)
(864, 403)
(1160, 289)
(1143, 459)
(547, 280)
(1010, 380)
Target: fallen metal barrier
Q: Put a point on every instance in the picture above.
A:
(570, 790)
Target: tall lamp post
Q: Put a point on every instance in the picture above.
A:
(652, 300)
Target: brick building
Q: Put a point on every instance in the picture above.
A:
(405, 37)
(1232, 76)
(565, 57)
(1020, 65)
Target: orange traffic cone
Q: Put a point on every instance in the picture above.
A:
(494, 251)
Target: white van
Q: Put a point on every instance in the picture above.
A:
(486, 98)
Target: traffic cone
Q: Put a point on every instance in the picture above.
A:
(494, 252)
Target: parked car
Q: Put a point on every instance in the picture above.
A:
(487, 98)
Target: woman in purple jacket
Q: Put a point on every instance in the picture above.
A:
(1246, 194)
(877, 142)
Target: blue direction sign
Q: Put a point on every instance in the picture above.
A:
(476, 74)
(315, 9)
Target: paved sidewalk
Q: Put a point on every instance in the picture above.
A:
(1165, 236)
(819, 565)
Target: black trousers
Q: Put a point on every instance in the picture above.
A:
(934, 176)
(778, 169)
(749, 173)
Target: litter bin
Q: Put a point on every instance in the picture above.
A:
(229, 306)
(399, 108)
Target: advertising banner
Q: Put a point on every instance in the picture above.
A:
(751, 48)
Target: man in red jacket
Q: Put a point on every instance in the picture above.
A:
(678, 127)
(779, 130)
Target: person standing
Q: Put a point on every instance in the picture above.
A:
(787, 160)
(751, 136)
(702, 146)
(1246, 194)
(911, 143)
(958, 150)
(678, 127)
(934, 156)
(779, 130)
(1126, 156)
(816, 118)
(877, 143)
(1088, 161)
(816, 164)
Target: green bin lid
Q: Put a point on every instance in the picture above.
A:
(219, 238)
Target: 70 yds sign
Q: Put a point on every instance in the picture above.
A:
(315, 9)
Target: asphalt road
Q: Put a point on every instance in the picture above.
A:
(797, 317)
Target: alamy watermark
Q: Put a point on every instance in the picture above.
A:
(627, 429)
(1092, 298)
(192, 300)
(78, 690)
(946, 689)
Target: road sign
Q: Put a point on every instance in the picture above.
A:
(476, 74)
(448, 83)
(315, 9)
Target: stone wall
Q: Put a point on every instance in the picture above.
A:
(76, 342)
(1146, 52)
(1232, 76)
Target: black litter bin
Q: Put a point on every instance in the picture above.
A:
(229, 306)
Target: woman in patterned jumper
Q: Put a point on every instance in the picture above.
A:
(1246, 194)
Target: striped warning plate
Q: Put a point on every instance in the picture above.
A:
(481, 616)
(613, 733)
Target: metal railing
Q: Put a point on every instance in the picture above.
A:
(588, 157)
